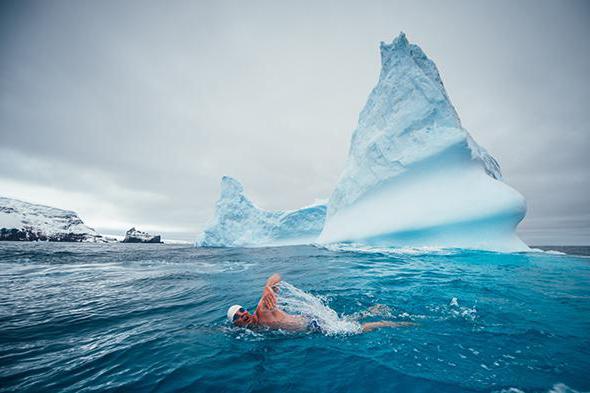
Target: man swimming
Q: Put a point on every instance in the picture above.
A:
(269, 315)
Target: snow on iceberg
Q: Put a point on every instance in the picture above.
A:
(414, 176)
(238, 222)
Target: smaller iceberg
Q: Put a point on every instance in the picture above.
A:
(239, 223)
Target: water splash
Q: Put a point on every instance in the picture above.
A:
(295, 301)
(453, 310)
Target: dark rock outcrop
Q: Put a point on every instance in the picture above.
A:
(135, 236)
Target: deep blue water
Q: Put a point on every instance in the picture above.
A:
(123, 317)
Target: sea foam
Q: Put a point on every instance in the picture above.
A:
(295, 301)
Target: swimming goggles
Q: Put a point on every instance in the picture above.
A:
(242, 310)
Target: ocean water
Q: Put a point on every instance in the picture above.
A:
(125, 317)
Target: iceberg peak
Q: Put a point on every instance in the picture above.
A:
(398, 43)
(230, 187)
(398, 47)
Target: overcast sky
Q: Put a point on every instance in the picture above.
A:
(129, 112)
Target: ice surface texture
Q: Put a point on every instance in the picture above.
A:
(26, 221)
(414, 175)
(238, 222)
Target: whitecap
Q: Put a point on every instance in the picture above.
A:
(557, 388)
(562, 388)
(365, 249)
(550, 252)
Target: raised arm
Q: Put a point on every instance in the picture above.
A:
(268, 301)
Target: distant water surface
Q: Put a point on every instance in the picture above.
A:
(126, 317)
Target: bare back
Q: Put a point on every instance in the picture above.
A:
(278, 319)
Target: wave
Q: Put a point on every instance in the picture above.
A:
(551, 252)
(557, 388)
(402, 251)
(428, 250)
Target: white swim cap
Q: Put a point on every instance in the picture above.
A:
(231, 312)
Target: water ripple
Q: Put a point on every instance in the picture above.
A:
(80, 317)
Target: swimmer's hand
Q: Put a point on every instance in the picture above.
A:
(269, 299)
(273, 280)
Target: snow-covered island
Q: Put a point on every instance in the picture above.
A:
(22, 221)
(238, 222)
(414, 177)
(135, 236)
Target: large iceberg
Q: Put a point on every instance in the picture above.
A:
(414, 175)
(238, 222)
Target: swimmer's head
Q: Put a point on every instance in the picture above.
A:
(238, 315)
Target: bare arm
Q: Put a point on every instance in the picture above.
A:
(268, 301)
